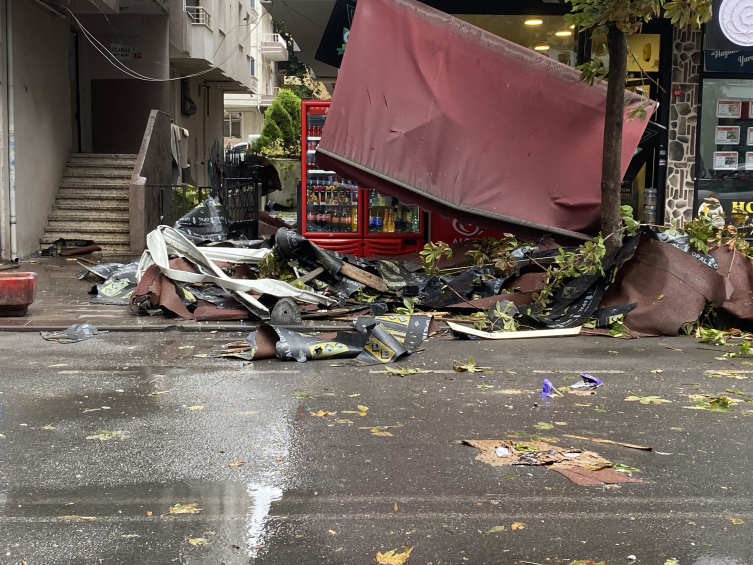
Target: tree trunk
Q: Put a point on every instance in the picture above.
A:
(611, 177)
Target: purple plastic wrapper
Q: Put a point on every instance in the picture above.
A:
(548, 389)
(590, 380)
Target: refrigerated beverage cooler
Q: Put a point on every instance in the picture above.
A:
(337, 214)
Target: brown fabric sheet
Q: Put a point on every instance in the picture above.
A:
(658, 269)
(738, 271)
(214, 314)
(584, 477)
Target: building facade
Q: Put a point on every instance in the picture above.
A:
(85, 77)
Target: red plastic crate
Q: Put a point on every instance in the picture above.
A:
(17, 292)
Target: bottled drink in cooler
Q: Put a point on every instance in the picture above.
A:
(414, 221)
(354, 220)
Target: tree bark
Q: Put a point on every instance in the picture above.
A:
(611, 177)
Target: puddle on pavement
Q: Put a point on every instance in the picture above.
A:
(233, 518)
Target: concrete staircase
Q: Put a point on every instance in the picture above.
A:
(92, 202)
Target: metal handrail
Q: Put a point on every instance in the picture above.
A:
(199, 15)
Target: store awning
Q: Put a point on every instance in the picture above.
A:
(442, 114)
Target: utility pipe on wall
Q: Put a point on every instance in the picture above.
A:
(11, 132)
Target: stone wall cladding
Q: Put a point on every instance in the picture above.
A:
(683, 120)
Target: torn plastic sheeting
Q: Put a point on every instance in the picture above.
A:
(103, 270)
(681, 240)
(73, 334)
(294, 247)
(294, 346)
(659, 269)
(117, 289)
(604, 476)
(462, 331)
(209, 221)
(578, 299)
(611, 314)
(164, 240)
(409, 330)
(548, 390)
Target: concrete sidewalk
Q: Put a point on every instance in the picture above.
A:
(63, 300)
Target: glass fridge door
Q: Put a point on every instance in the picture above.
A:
(331, 204)
(331, 201)
(388, 216)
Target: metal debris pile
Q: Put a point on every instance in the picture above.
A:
(659, 282)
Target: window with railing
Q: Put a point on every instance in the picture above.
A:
(199, 15)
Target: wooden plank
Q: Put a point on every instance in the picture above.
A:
(364, 277)
(308, 276)
(599, 440)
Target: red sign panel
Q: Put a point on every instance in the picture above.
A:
(452, 231)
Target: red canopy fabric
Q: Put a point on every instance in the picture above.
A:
(445, 115)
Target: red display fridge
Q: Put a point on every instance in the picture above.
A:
(337, 214)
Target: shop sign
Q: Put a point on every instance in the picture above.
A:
(731, 26)
(335, 38)
(453, 231)
(729, 61)
(120, 51)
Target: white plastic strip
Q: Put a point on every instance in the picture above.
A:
(513, 335)
(165, 240)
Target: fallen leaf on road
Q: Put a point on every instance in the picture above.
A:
(482, 386)
(403, 371)
(333, 532)
(470, 367)
(518, 525)
(88, 518)
(48, 427)
(543, 426)
(508, 391)
(363, 410)
(158, 392)
(191, 508)
(396, 507)
(104, 435)
(648, 399)
(712, 403)
(236, 463)
(560, 423)
(196, 407)
(737, 521)
(197, 541)
(344, 421)
(582, 405)
(393, 557)
(58, 365)
(380, 432)
(354, 395)
(322, 414)
(148, 512)
(129, 536)
(624, 468)
(672, 561)
(730, 374)
(677, 429)
(657, 371)
(186, 347)
(495, 529)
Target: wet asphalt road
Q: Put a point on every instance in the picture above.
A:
(312, 490)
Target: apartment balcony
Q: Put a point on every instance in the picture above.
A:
(199, 16)
(273, 47)
(268, 96)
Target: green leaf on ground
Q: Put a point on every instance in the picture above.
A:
(198, 541)
(192, 508)
(104, 435)
(49, 427)
(648, 399)
(543, 426)
(495, 529)
(624, 468)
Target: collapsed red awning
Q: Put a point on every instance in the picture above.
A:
(445, 115)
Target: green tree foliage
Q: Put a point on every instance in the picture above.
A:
(618, 18)
(281, 132)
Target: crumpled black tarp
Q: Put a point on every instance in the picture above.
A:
(117, 289)
(209, 221)
(72, 334)
(578, 299)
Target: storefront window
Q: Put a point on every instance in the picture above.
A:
(548, 35)
(725, 167)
